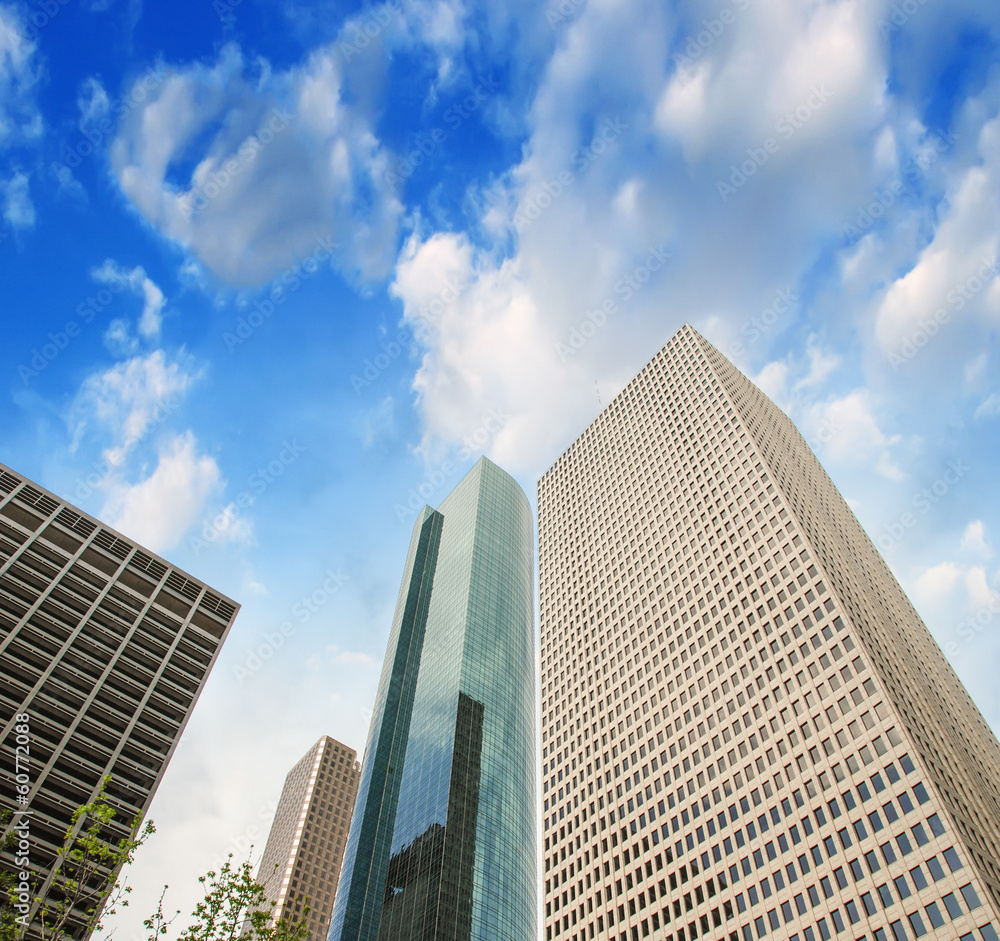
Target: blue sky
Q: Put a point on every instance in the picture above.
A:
(275, 273)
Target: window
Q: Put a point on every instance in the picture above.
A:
(885, 895)
(898, 931)
(888, 852)
(902, 887)
(969, 894)
(951, 903)
(869, 903)
(937, 827)
(918, 877)
(934, 915)
(934, 865)
(917, 924)
(951, 858)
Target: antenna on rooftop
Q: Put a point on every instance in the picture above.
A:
(598, 388)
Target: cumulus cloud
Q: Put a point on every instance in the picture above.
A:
(974, 540)
(20, 119)
(142, 286)
(953, 283)
(18, 209)
(129, 399)
(159, 509)
(938, 582)
(625, 150)
(248, 172)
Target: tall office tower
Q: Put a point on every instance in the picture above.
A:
(442, 843)
(747, 730)
(104, 649)
(301, 861)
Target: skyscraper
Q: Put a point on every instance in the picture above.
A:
(104, 650)
(442, 843)
(747, 730)
(301, 861)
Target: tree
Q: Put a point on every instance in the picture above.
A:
(87, 884)
(235, 905)
(9, 928)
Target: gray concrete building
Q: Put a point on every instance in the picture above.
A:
(104, 650)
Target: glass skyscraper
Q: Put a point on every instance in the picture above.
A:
(442, 842)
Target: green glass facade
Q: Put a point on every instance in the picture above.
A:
(442, 842)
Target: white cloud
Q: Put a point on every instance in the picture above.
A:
(846, 428)
(279, 161)
(953, 281)
(937, 582)
(989, 407)
(623, 157)
(20, 119)
(974, 540)
(129, 399)
(142, 286)
(159, 509)
(18, 209)
(349, 657)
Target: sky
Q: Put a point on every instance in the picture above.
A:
(274, 274)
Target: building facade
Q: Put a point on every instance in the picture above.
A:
(104, 650)
(300, 865)
(747, 730)
(442, 843)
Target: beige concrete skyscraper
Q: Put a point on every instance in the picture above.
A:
(747, 730)
(305, 848)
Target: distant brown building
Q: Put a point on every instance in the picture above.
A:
(305, 848)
